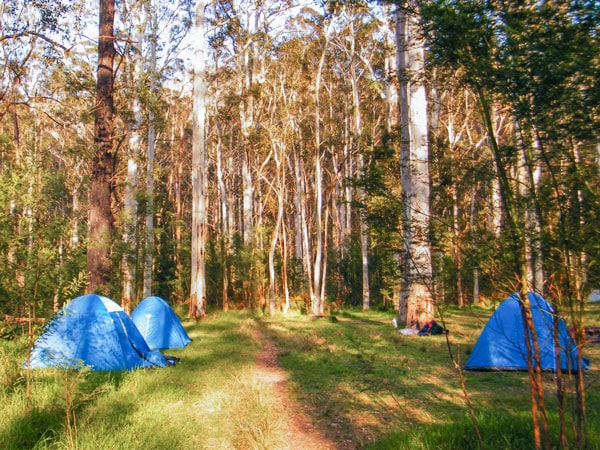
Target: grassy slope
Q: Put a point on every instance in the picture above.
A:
(359, 378)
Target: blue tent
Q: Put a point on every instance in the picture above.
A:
(159, 324)
(502, 345)
(93, 331)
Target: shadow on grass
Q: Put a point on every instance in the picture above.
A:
(498, 431)
(32, 428)
(363, 380)
(361, 318)
(39, 426)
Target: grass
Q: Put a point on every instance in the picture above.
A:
(358, 378)
(392, 391)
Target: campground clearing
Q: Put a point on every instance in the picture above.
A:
(249, 381)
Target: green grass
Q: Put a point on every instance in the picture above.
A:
(357, 377)
(392, 391)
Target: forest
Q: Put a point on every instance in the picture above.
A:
(291, 175)
(283, 155)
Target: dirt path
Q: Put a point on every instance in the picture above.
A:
(303, 433)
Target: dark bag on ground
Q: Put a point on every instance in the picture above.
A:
(431, 328)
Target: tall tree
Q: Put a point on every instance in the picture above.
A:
(416, 301)
(318, 266)
(156, 31)
(138, 22)
(105, 158)
(150, 155)
(199, 171)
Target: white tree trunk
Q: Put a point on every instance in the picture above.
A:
(199, 170)
(129, 218)
(75, 220)
(318, 267)
(224, 218)
(149, 253)
(364, 242)
(299, 205)
(279, 188)
(496, 219)
(130, 206)
(248, 191)
(416, 302)
(474, 190)
(358, 131)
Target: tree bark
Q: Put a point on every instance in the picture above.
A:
(199, 172)
(318, 272)
(130, 204)
(224, 218)
(99, 264)
(416, 302)
(279, 187)
(357, 129)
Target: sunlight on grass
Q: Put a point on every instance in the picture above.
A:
(365, 377)
(258, 417)
(357, 377)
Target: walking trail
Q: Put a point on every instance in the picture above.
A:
(302, 431)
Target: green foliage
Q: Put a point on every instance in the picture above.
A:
(536, 60)
(349, 270)
(382, 211)
(37, 265)
(249, 266)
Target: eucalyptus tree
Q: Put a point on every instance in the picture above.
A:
(241, 42)
(197, 305)
(416, 300)
(101, 218)
(289, 79)
(242, 37)
(316, 263)
(156, 38)
(289, 107)
(135, 17)
(355, 50)
(276, 181)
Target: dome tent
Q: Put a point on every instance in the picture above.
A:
(159, 324)
(93, 331)
(502, 345)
